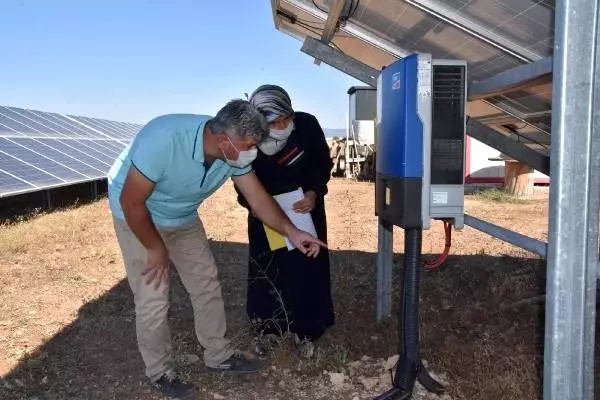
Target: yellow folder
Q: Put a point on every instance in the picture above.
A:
(275, 239)
(302, 221)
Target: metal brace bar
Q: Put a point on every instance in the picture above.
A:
(508, 146)
(515, 238)
(340, 61)
(510, 79)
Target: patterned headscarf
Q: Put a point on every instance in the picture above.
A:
(272, 101)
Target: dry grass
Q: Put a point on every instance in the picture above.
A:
(66, 315)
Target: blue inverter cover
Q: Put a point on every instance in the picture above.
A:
(400, 131)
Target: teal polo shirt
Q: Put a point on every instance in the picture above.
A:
(169, 151)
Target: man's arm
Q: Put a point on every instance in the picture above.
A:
(136, 190)
(264, 206)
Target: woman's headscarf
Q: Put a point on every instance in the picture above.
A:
(272, 101)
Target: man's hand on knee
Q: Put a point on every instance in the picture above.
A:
(157, 266)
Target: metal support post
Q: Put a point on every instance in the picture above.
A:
(385, 254)
(574, 203)
(94, 190)
(48, 199)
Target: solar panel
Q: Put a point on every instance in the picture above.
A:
(10, 184)
(26, 172)
(62, 158)
(416, 30)
(40, 161)
(89, 150)
(493, 36)
(115, 146)
(100, 127)
(40, 150)
(13, 128)
(70, 126)
(33, 124)
(47, 124)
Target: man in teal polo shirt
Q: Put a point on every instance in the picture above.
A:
(155, 187)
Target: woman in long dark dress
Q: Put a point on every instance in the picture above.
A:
(288, 291)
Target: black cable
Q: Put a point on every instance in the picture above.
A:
(351, 13)
(353, 8)
(308, 28)
(315, 4)
(309, 24)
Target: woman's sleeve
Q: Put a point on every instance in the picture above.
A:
(320, 163)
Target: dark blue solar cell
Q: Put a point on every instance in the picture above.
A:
(115, 146)
(94, 124)
(75, 127)
(26, 172)
(62, 147)
(67, 159)
(133, 128)
(117, 126)
(40, 161)
(90, 151)
(10, 185)
(104, 146)
(33, 123)
(128, 127)
(15, 126)
(57, 129)
(6, 131)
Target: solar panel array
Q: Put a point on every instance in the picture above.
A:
(41, 150)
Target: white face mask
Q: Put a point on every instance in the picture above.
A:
(282, 134)
(276, 140)
(245, 157)
(270, 146)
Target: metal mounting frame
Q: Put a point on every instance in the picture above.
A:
(333, 16)
(352, 29)
(340, 61)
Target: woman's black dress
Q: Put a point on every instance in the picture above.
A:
(286, 289)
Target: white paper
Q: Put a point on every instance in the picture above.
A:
(303, 222)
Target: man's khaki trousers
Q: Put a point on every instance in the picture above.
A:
(190, 254)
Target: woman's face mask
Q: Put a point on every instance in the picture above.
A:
(276, 140)
(282, 134)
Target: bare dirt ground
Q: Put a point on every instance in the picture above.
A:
(67, 320)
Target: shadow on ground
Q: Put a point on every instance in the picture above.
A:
(487, 346)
